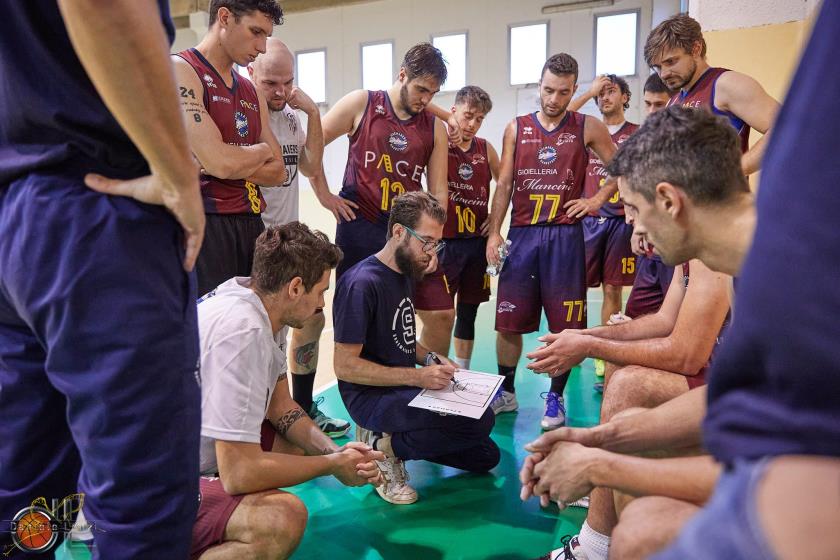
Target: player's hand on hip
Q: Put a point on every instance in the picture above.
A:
(182, 200)
(580, 207)
(298, 99)
(341, 208)
(492, 252)
(564, 474)
(618, 318)
(435, 376)
(485, 227)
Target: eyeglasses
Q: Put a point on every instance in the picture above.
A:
(428, 246)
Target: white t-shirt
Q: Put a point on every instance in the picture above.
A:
(241, 362)
(281, 203)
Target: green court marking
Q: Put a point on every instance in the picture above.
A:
(459, 516)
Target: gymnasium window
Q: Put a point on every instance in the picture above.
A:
(528, 51)
(616, 43)
(454, 50)
(311, 68)
(377, 65)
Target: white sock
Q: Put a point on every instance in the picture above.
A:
(463, 363)
(595, 545)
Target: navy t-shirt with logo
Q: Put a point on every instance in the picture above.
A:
(373, 307)
(775, 385)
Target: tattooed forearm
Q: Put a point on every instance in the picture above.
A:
(282, 424)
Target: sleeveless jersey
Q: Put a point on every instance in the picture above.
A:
(469, 190)
(236, 112)
(386, 157)
(596, 174)
(702, 94)
(549, 169)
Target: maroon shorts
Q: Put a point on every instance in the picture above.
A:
(609, 258)
(216, 506)
(462, 271)
(653, 278)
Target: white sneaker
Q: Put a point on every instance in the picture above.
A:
(555, 412)
(581, 503)
(81, 529)
(504, 401)
(395, 489)
(571, 550)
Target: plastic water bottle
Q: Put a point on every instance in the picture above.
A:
(504, 251)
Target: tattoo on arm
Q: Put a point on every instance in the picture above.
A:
(194, 109)
(305, 355)
(285, 422)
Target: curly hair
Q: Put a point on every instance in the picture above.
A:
(474, 96)
(285, 252)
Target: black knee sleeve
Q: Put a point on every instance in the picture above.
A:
(465, 321)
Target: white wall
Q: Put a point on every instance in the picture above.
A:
(407, 22)
(716, 15)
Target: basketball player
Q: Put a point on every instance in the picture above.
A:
(227, 124)
(98, 337)
(473, 162)
(676, 50)
(609, 258)
(273, 75)
(543, 167)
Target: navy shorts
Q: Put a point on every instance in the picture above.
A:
(546, 269)
(653, 278)
(99, 389)
(462, 271)
(228, 249)
(358, 239)
(728, 526)
(609, 259)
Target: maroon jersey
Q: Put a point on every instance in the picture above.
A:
(702, 94)
(596, 174)
(469, 190)
(236, 112)
(387, 157)
(549, 169)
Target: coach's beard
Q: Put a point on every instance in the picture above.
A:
(408, 265)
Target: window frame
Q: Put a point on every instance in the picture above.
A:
(362, 58)
(511, 26)
(466, 35)
(325, 102)
(595, 16)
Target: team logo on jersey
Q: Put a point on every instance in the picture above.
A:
(241, 123)
(547, 155)
(380, 110)
(505, 307)
(249, 105)
(566, 138)
(402, 327)
(478, 158)
(208, 79)
(398, 141)
(465, 171)
(622, 138)
(222, 98)
(527, 130)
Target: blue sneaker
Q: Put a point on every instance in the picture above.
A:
(504, 401)
(599, 387)
(555, 411)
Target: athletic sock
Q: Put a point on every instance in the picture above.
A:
(508, 372)
(558, 384)
(595, 545)
(302, 389)
(463, 363)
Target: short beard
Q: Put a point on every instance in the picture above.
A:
(404, 101)
(686, 81)
(407, 265)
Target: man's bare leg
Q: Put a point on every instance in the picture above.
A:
(463, 348)
(628, 388)
(437, 329)
(612, 302)
(264, 525)
(648, 525)
(303, 365)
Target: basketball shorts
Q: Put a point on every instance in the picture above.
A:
(358, 239)
(462, 271)
(653, 277)
(609, 259)
(228, 248)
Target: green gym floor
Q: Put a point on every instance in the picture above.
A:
(458, 515)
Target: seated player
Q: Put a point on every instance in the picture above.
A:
(247, 410)
(376, 356)
(472, 164)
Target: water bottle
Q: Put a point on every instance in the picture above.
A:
(504, 251)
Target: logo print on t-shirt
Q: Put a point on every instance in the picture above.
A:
(566, 138)
(547, 155)
(208, 79)
(465, 171)
(505, 307)
(398, 141)
(403, 326)
(241, 122)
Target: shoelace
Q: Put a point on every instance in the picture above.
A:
(566, 541)
(497, 396)
(552, 404)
